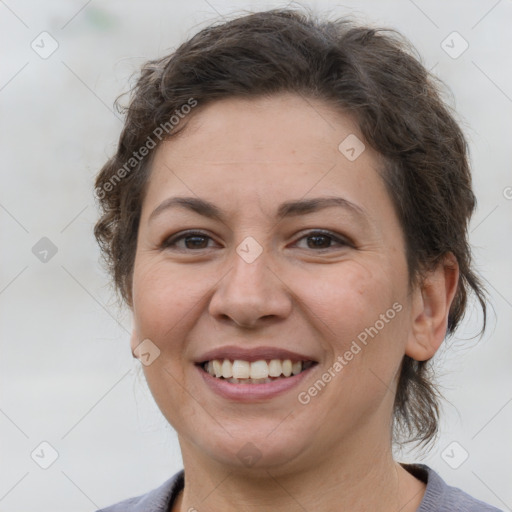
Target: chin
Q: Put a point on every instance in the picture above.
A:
(260, 447)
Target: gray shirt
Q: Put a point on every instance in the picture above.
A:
(439, 497)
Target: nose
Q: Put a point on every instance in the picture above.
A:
(250, 295)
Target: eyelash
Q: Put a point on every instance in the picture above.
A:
(171, 242)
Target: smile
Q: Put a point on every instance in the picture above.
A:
(262, 371)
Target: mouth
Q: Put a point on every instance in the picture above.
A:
(261, 371)
(253, 375)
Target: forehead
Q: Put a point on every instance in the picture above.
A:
(246, 152)
(283, 127)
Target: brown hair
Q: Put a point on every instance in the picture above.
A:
(372, 74)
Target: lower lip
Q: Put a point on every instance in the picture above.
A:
(252, 392)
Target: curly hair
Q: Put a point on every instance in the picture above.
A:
(373, 74)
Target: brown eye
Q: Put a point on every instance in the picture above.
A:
(188, 241)
(319, 241)
(195, 242)
(322, 240)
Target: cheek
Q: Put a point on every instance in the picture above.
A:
(164, 305)
(158, 302)
(358, 308)
(166, 298)
(362, 321)
(349, 296)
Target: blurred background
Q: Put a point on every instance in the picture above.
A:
(78, 427)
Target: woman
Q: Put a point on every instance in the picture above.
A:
(286, 216)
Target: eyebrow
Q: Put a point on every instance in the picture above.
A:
(286, 209)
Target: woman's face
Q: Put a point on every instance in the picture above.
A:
(267, 237)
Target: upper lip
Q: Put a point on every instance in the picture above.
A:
(251, 354)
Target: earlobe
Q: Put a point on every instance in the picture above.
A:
(134, 342)
(430, 309)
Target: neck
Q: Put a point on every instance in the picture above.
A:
(347, 480)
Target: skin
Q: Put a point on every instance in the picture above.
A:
(247, 157)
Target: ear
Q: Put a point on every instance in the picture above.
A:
(431, 303)
(134, 342)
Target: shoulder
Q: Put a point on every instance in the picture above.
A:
(441, 497)
(157, 500)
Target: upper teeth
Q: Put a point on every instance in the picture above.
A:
(239, 369)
